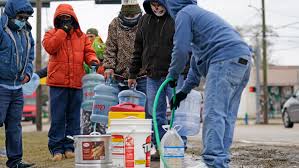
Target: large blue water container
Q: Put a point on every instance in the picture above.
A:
(105, 97)
(132, 96)
(90, 81)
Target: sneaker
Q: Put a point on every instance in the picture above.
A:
(57, 157)
(69, 154)
(23, 165)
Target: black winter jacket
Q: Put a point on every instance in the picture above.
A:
(153, 46)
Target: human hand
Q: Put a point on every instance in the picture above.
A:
(66, 27)
(172, 83)
(26, 79)
(180, 96)
(132, 83)
(108, 73)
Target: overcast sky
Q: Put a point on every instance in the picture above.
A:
(283, 15)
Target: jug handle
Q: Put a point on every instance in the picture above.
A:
(177, 127)
(166, 127)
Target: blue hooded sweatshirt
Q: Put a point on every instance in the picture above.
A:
(16, 46)
(209, 36)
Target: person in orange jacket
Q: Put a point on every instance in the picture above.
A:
(68, 48)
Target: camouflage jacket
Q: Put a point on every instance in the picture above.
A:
(120, 48)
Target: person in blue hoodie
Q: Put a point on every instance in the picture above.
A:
(153, 46)
(16, 55)
(223, 58)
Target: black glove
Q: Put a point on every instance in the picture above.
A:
(95, 65)
(172, 83)
(66, 27)
(180, 96)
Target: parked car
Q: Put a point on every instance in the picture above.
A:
(29, 109)
(290, 111)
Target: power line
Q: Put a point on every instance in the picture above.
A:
(287, 25)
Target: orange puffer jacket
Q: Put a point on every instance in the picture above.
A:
(67, 53)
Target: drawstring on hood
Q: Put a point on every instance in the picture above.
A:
(174, 6)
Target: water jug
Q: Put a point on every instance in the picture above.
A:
(86, 125)
(188, 114)
(30, 87)
(105, 97)
(172, 148)
(90, 81)
(132, 96)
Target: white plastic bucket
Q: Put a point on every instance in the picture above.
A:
(131, 143)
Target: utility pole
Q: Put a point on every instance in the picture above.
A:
(258, 81)
(38, 62)
(265, 65)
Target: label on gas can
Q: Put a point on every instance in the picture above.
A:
(93, 150)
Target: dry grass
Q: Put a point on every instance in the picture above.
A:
(36, 151)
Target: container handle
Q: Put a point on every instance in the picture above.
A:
(95, 133)
(177, 127)
(70, 137)
(131, 117)
(166, 127)
(128, 103)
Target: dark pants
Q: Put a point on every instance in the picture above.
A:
(11, 108)
(65, 118)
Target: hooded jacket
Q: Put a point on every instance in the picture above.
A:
(211, 37)
(16, 46)
(153, 44)
(67, 52)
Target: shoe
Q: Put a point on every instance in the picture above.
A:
(23, 165)
(69, 155)
(155, 157)
(57, 157)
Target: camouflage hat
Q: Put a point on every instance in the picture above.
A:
(92, 31)
(130, 9)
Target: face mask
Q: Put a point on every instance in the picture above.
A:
(158, 10)
(19, 23)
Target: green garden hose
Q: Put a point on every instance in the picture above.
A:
(157, 136)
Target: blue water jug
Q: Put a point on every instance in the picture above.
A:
(132, 96)
(90, 81)
(188, 114)
(105, 97)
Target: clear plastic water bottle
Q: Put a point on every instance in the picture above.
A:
(172, 147)
(188, 114)
(30, 87)
(132, 96)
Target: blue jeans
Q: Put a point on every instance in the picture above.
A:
(65, 118)
(152, 88)
(11, 108)
(224, 85)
